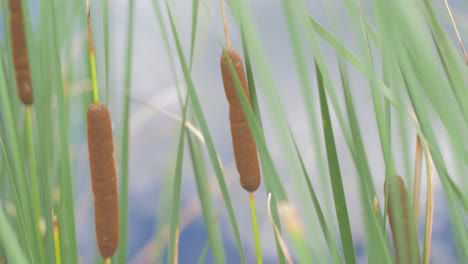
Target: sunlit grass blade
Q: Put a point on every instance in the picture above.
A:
(335, 177)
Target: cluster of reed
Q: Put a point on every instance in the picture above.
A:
(101, 146)
(102, 165)
(100, 139)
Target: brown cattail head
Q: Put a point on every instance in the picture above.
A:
(20, 53)
(245, 150)
(103, 176)
(405, 242)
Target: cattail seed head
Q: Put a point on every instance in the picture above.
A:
(398, 200)
(103, 177)
(245, 150)
(20, 53)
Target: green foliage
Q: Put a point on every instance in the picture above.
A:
(411, 69)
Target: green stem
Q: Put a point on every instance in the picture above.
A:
(35, 187)
(255, 228)
(58, 258)
(92, 60)
(122, 252)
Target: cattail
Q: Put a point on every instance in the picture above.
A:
(245, 150)
(407, 252)
(20, 53)
(103, 176)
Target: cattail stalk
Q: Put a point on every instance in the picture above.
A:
(92, 57)
(245, 150)
(102, 164)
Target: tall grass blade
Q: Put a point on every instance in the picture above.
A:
(193, 36)
(122, 251)
(176, 191)
(209, 215)
(375, 228)
(105, 23)
(68, 243)
(335, 177)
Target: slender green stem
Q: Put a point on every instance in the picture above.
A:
(35, 186)
(92, 57)
(92, 60)
(105, 23)
(58, 257)
(255, 228)
(123, 193)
